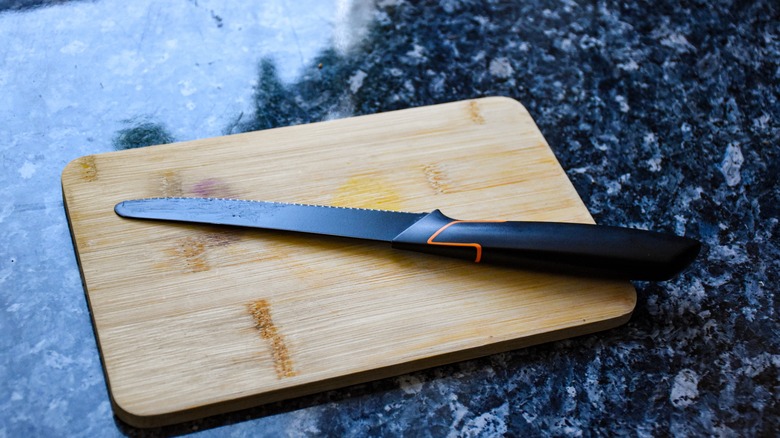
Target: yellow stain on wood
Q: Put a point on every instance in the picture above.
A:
(368, 191)
(475, 114)
(89, 170)
(261, 313)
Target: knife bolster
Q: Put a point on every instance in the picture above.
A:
(426, 236)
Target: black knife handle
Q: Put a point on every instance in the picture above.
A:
(593, 250)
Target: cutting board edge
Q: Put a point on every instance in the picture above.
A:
(343, 381)
(95, 330)
(72, 167)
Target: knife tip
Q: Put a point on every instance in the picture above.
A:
(120, 209)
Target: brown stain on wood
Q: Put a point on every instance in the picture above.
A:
(192, 252)
(261, 313)
(437, 178)
(170, 184)
(222, 237)
(88, 168)
(475, 114)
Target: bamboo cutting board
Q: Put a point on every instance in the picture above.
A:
(194, 320)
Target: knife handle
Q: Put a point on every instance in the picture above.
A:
(592, 250)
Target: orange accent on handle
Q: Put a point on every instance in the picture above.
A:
(476, 246)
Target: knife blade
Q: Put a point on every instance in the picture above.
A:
(583, 249)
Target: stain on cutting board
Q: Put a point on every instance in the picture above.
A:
(261, 313)
(212, 188)
(191, 254)
(437, 178)
(475, 114)
(368, 191)
(88, 168)
(170, 184)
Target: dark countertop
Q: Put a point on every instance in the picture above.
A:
(664, 116)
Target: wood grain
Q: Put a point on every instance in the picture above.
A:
(195, 320)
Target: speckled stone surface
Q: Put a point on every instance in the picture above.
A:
(664, 116)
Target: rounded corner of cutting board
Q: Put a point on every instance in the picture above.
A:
(73, 170)
(630, 305)
(145, 415)
(510, 102)
(623, 312)
(136, 419)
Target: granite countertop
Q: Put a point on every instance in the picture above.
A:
(664, 117)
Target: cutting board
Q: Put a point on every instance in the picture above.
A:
(195, 320)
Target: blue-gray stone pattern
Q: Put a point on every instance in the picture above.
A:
(664, 115)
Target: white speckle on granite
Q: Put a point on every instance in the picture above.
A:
(74, 47)
(302, 422)
(457, 410)
(588, 42)
(450, 6)
(654, 164)
(356, 80)
(629, 65)
(762, 121)
(622, 103)
(732, 254)
(563, 428)
(409, 86)
(679, 224)
(417, 52)
(397, 72)
(613, 187)
(650, 140)
(570, 401)
(186, 88)
(491, 423)
(524, 46)
(731, 164)
(754, 366)
(592, 386)
(27, 170)
(679, 42)
(685, 388)
(126, 63)
(501, 68)
(410, 384)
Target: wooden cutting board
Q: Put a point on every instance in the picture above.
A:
(195, 320)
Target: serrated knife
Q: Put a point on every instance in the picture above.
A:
(592, 250)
